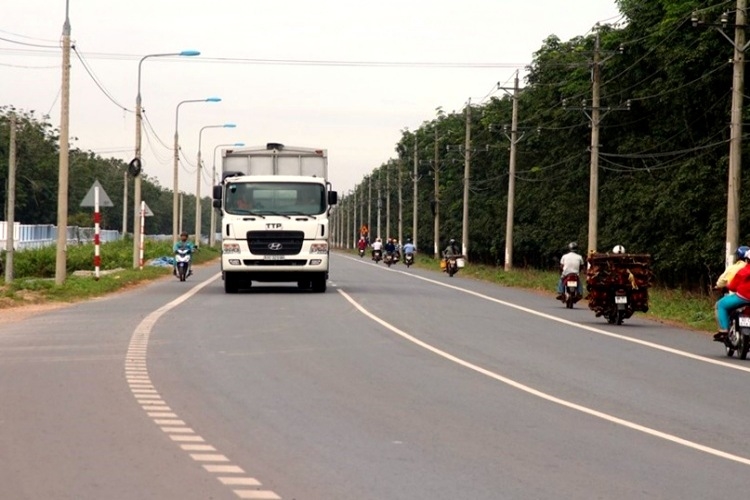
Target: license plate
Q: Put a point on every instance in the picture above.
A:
(573, 283)
(273, 257)
(744, 321)
(621, 299)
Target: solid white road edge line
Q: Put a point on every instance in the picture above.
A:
(592, 329)
(545, 396)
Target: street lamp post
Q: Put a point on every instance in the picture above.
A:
(212, 234)
(175, 185)
(198, 180)
(137, 161)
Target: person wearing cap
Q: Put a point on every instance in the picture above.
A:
(740, 286)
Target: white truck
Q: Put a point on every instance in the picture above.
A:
(274, 202)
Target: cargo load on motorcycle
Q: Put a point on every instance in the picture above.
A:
(617, 284)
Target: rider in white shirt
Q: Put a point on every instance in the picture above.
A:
(570, 263)
(377, 245)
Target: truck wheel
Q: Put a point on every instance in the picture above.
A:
(319, 284)
(230, 283)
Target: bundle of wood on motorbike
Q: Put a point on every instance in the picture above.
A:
(610, 274)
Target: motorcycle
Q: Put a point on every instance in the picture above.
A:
(377, 255)
(361, 252)
(738, 336)
(409, 259)
(570, 289)
(620, 307)
(182, 259)
(388, 259)
(451, 266)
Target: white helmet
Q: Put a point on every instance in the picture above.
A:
(618, 249)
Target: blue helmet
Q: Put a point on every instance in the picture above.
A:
(741, 251)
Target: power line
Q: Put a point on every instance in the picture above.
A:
(28, 37)
(28, 44)
(286, 62)
(97, 82)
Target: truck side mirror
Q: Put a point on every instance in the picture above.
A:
(217, 194)
(217, 203)
(333, 197)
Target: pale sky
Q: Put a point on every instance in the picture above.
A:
(383, 71)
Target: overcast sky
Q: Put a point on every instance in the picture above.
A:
(346, 76)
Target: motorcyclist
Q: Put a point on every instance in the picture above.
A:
(390, 247)
(182, 244)
(740, 285)
(570, 263)
(731, 301)
(409, 247)
(377, 246)
(362, 244)
(618, 249)
(452, 249)
(730, 271)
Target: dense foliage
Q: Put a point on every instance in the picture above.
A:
(662, 163)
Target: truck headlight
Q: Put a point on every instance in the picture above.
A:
(231, 248)
(319, 248)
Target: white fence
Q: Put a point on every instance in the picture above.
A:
(39, 235)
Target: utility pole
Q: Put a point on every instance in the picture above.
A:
(735, 132)
(387, 200)
(400, 203)
(11, 201)
(416, 193)
(62, 185)
(436, 171)
(595, 118)
(735, 122)
(354, 219)
(361, 211)
(380, 202)
(511, 179)
(594, 168)
(346, 223)
(467, 164)
(369, 208)
(124, 203)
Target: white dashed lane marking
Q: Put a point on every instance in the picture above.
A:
(144, 392)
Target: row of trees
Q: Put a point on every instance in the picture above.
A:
(37, 163)
(662, 164)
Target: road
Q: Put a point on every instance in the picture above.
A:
(395, 384)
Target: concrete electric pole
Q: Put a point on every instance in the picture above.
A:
(10, 214)
(62, 189)
(595, 118)
(467, 165)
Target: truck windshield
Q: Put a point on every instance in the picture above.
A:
(274, 198)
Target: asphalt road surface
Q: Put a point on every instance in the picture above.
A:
(394, 384)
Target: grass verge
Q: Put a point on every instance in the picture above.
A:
(35, 270)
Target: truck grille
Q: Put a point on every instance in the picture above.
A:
(275, 242)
